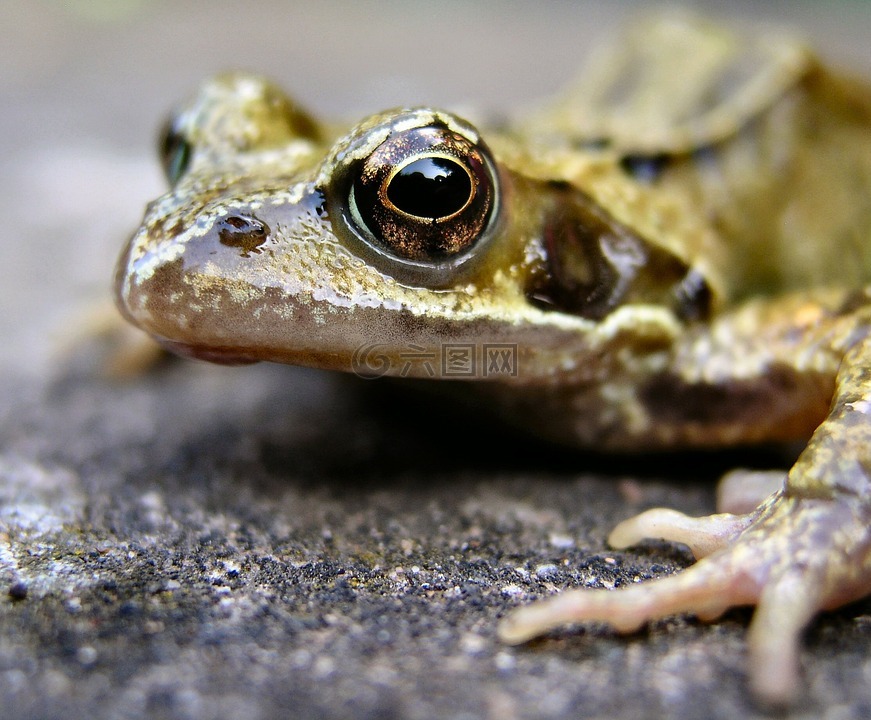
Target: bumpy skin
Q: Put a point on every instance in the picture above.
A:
(667, 264)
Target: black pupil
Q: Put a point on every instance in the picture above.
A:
(432, 187)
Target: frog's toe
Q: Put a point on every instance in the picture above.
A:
(785, 607)
(705, 589)
(702, 535)
(739, 494)
(791, 557)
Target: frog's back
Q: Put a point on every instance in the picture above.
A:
(753, 132)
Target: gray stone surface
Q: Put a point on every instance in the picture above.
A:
(261, 542)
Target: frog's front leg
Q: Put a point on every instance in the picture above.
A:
(806, 548)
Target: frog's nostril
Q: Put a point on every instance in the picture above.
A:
(245, 232)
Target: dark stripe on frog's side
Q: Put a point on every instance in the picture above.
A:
(646, 169)
(595, 264)
(775, 402)
(596, 144)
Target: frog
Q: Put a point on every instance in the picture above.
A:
(674, 254)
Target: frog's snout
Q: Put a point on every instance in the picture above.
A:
(236, 283)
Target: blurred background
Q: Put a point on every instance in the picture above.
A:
(85, 85)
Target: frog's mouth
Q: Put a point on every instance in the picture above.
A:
(217, 355)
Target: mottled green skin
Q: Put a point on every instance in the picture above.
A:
(742, 194)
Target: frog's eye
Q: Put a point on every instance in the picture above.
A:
(424, 198)
(423, 194)
(230, 115)
(175, 152)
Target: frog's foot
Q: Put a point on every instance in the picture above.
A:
(791, 557)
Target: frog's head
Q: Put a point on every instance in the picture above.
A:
(403, 247)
